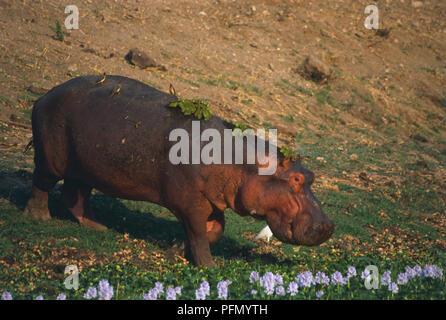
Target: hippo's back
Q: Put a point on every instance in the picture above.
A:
(111, 135)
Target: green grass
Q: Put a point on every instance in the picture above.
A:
(233, 85)
(291, 89)
(288, 118)
(59, 32)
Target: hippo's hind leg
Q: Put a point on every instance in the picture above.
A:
(75, 196)
(37, 205)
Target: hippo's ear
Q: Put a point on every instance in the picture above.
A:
(284, 165)
(296, 180)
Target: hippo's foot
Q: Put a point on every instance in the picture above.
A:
(37, 213)
(75, 196)
(200, 259)
(90, 223)
(37, 206)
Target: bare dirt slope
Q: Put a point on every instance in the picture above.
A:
(244, 57)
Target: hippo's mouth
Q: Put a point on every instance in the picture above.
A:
(283, 232)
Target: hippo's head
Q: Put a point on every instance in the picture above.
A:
(288, 205)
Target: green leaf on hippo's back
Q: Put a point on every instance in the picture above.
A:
(198, 107)
(289, 153)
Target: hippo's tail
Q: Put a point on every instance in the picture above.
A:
(29, 145)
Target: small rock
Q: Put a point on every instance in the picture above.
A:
(418, 137)
(384, 33)
(72, 68)
(140, 59)
(417, 4)
(363, 176)
(37, 90)
(316, 69)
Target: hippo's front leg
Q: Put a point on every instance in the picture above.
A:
(197, 246)
(194, 216)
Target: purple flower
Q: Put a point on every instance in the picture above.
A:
(418, 270)
(319, 294)
(222, 288)
(402, 279)
(206, 287)
(336, 278)
(91, 293)
(280, 291)
(438, 273)
(365, 274)
(159, 287)
(351, 272)
(40, 297)
(385, 279)
(254, 277)
(278, 280)
(151, 295)
(305, 279)
(393, 287)
(267, 281)
(61, 297)
(105, 290)
(200, 294)
(6, 296)
(253, 292)
(431, 271)
(321, 278)
(410, 273)
(171, 294)
(156, 292)
(178, 290)
(202, 291)
(293, 288)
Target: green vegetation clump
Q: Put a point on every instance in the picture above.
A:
(198, 107)
(60, 34)
(241, 125)
(289, 153)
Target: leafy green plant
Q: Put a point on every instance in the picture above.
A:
(198, 107)
(289, 153)
(60, 34)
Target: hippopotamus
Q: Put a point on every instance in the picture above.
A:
(111, 133)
